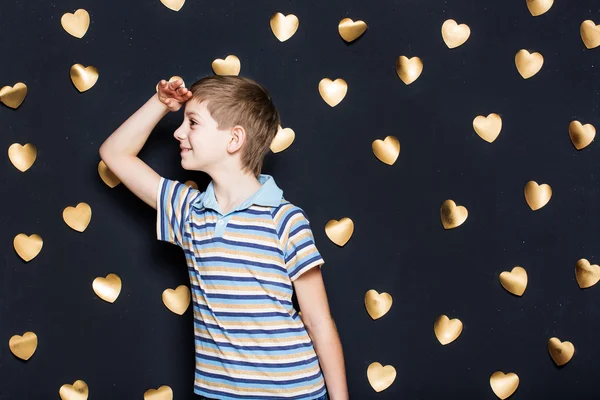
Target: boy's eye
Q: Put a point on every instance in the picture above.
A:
(192, 122)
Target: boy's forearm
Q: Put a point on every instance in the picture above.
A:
(131, 136)
(328, 347)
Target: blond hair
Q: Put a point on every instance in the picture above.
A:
(236, 100)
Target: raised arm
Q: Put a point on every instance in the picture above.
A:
(119, 151)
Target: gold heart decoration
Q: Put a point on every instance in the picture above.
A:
(107, 176)
(333, 92)
(77, 391)
(284, 27)
(339, 232)
(504, 385)
(380, 377)
(377, 304)
(76, 24)
(172, 79)
(447, 330)
(162, 393)
(13, 96)
(537, 196)
(539, 7)
(590, 34)
(350, 30)
(488, 128)
(453, 34)
(22, 157)
(587, 275)
(528, 64)
(78, 218)
(561, 352)
(409, 69)
(84, 78)
(452, 215)
(581, 135)
(192, 184)
(515, 281)
(229, 66)
(108, 288)
(177, 300)
(174, 5)
(387, 150)
(28, 247)
(24, 346)
(283, 139)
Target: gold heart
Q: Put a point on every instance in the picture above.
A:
(409, 69)
(108, 288)
(377, 304)
(581, 135)
(333, 92)
(191, 184)
(514, 281)
(78, 218)
(107, 175)
(587, 275)
(590, 34)
(561, 352)
(453, 34)
(387, 150)
(283, 139)
(284, 27)
(447, 330)
(350, 30)
(22, 157)
(172, 79)
(76, 24)
(77, 391)
(83, 77)
(528, 64)
(504, 385)
(229, 66)
(539, 7)
(24, 346)
(13, 96)
(339, 232)
(28, 247)
(177, 300)
(162, 393)
(537, 196)
(488, 128)
(380, 377)
(452, 215)
(174, 5)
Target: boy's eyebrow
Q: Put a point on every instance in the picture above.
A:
(192, 112)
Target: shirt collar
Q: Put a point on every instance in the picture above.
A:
(269, 195)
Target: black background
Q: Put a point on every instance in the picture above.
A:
(399, 245)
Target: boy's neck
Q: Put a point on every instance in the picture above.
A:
(233, 189)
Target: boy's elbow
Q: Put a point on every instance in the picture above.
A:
(315, 325)
(103, 152)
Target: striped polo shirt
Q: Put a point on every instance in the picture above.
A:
(250, 342)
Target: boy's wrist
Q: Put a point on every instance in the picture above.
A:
(164, 107)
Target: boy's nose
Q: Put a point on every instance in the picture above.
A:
(179, 134)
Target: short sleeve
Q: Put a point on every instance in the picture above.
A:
(173, 207)
(300, 250)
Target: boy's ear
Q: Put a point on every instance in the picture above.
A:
(237, 139)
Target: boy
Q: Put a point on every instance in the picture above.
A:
(247, 248)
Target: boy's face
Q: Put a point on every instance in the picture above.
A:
(199, 133)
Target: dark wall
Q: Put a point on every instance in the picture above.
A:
(399, 245)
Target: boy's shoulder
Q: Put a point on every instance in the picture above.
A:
(288, 215)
